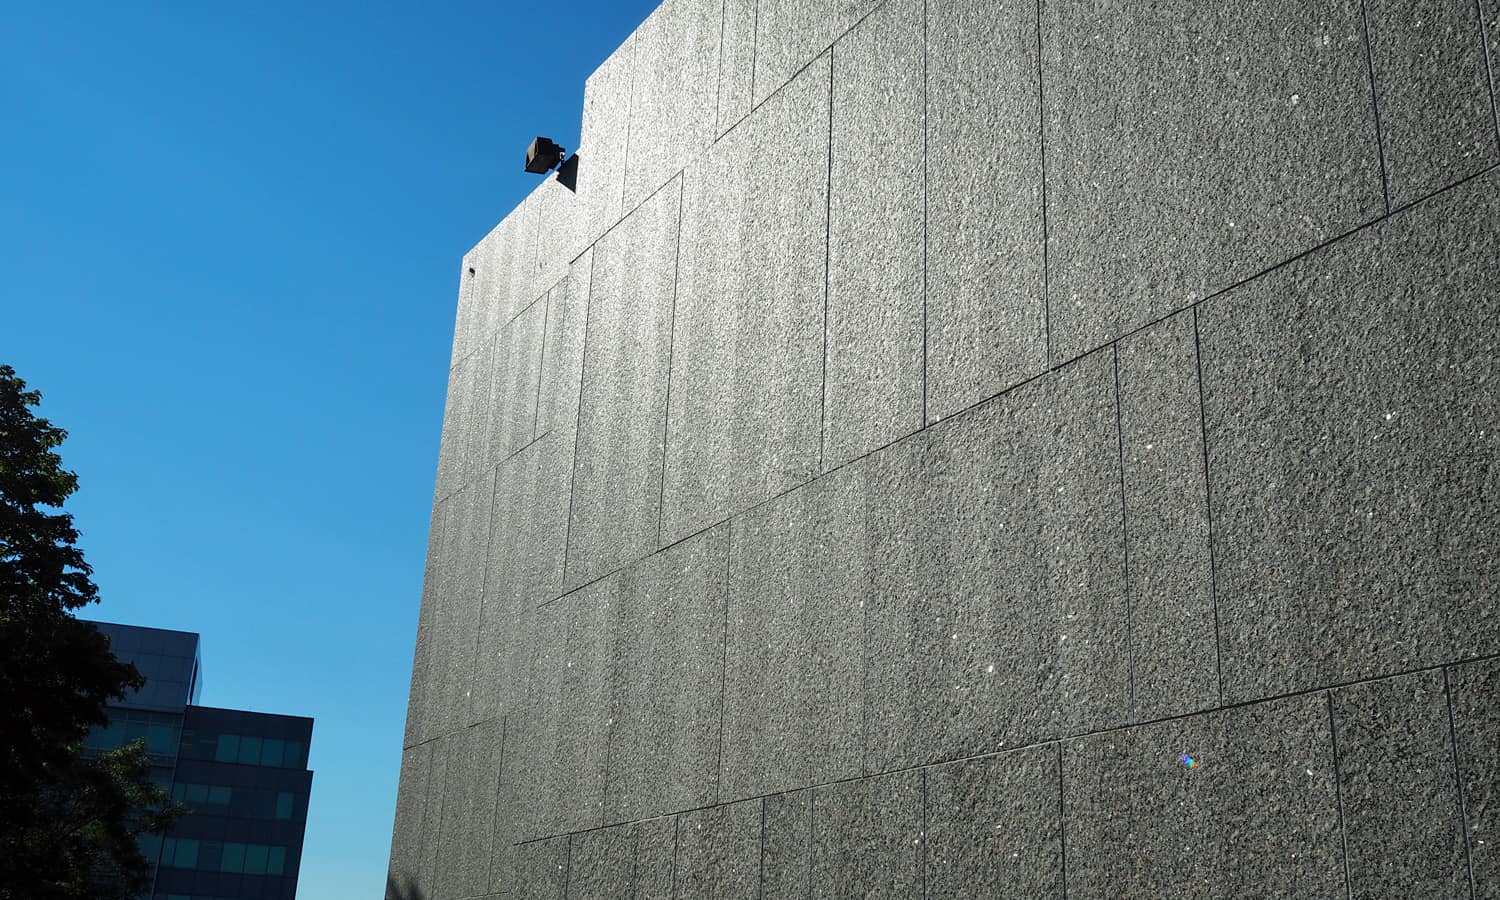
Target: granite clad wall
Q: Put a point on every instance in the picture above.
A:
(951, 448)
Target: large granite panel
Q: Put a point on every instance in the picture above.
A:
(1352, 426)
(736, 63)
(463, 316)
(986, 303)
(1235, 803)
(667, 677)
(1436, 122)
(994, 826)
(602, 142)
(789, 34)
(867, 839)
(997, 613)
(453, 444)
(718, 853)
(506, 862)
(468, 814)
(555, 212)
(564, 729)
(430, 850)
(1475, 692)
(432, 596)
(1190, 145)
(510, 386)
(617, 472)
(747, 349)
(786, 846)
(528, 531)
(562, 350)
(502, 263)
(541, 870)
(450, 649)
(1403, 828)
(792, 699)
(673, 93)
(624, 862)
(873, 382)
(412, 822)
(1174, 642)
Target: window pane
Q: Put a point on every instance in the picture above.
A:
(168, 848)
(250, 750)
(187, 853)
(179, 792)
(293, 757)
(271, 751)
(276, 861)
(228, 749)
(219, 795)
(197, 793)
(160, 738)
(234, 858)
(283, 805)
(255, 859)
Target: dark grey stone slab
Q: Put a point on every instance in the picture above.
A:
(1174, 644)
(873, 381)
(469, 798)
(1231, 145)
(510, 816)
(673, 93)
(458, 624)
(432, 594)
(430, 849)
(1475, 692)
(510, 386)
(789, 34)
(996, 616)
(562, 351)
(541, 870)
(986, 307)
(623, 862)
(1489, 11)
(1436, 120)
(667, 677)
(867, 838)
(602, 142)
(528, 531)
(747, 352)
(1254, 815)
(994, 826)
(718, 853)
(792, 698)
(1403, 828)
(786, 847)
(565, 725)
(453, 442)
(736, 63)
(411, 823)
(1354, 446)
(617, 472)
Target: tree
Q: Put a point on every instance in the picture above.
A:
(68, 822)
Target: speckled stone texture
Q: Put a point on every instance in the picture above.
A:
(872, 391)
(1353, 431)
(960, 449)
(1432, 87)
(1190, 145)
(986, 312)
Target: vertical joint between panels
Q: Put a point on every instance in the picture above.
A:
(1338, 789)
(1458, 781)
(827, 271)
(1041, 120)
(1208, 507)
(1125, 535)
(1489, 68)
(1385, 184)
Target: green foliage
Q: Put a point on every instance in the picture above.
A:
(68, 823)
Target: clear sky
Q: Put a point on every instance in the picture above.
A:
(230, 237)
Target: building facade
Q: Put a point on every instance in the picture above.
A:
(954, 448)
(242, 775)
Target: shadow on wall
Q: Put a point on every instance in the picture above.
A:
(402, 890)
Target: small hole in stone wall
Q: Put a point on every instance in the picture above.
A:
(471, 271)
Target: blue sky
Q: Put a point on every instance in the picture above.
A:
(230, 237)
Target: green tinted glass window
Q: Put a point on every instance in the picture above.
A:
(161, 739)
(292, 759)
(250, 750)
(219, 795)
(255, 859)
(276, 861)
(271, 751)
(179, 792)
(228, 749)
(186, 856)
(197, 793)
(234, 858)
(284, 805)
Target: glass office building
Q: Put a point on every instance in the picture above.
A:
(242, 775)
